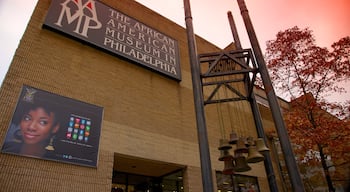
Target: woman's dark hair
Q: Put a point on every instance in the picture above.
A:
(39, 101)
(48, 108)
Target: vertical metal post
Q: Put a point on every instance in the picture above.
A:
(268, 162)
(234, 31)
(207, 178)
(292, 167)
(256, 114)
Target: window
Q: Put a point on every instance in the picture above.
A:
(236, 183)
(139, 183)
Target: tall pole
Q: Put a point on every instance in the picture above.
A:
(286, 146)
(257, 117)
(207, 178)
(325, 169)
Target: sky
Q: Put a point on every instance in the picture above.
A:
(328, 19)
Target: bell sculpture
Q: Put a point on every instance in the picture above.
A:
(260, 145)
(225, 155)
(224, 145)
(229, 167)
(249, 141)
(253, 155)
(241, 164)
(241, 147)
(233, 138)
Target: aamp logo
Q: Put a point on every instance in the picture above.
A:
(83, 12)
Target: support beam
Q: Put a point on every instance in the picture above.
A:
(292, 167)
(207, 178)
(256, 114)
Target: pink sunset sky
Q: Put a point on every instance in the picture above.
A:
(328, 19)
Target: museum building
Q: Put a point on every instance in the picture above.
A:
(115, 81)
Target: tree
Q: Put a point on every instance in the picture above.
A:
(315, 129)
(306, 73)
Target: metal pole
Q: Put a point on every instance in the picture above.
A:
(207, 178)
(256, 113)
(234, 31)
(268, 162)
(293, 171)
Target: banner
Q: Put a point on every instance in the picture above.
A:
(109, 29)
(49, 126)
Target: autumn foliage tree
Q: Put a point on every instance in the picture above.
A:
(307, 74)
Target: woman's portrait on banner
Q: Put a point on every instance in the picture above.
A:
(49, 126)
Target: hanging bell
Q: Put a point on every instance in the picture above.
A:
(224, 145)
(225, 155)
(241, 164)
(241, 147)
(249, 141)
(233, 138)
(254, 156)
(229, 168)
(260, 145)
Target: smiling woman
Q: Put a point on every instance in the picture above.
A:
(37, 125)
(48, 126)
(33, 129)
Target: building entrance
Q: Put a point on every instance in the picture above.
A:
(132, 174)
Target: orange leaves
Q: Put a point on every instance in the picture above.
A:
(308, 72)
(298, 66)
(309, 125)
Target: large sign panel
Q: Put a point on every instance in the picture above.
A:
(111, 30)
(48, 126)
